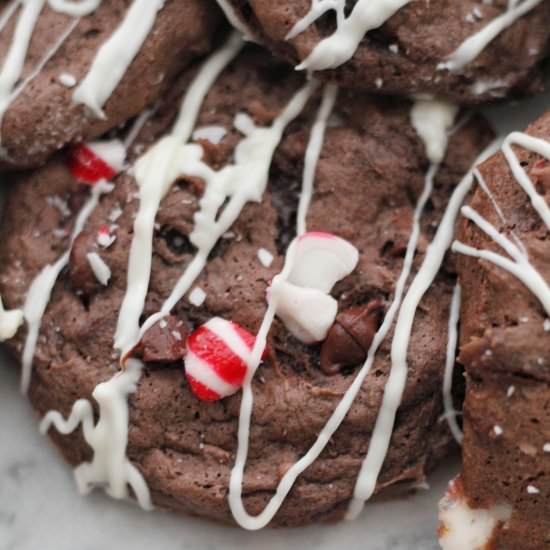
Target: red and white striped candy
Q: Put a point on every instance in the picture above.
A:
(216, 359)
(95, 161)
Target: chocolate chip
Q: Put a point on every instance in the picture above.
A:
(164, 342)
(177, 242)
(350, 337)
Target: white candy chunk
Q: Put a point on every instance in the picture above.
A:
(321, 260)
(10, 321)
(265, 257)
(308, 313)
(111, 152)
(197, 296)
(101, 270)
(67, 80)
(466, 528)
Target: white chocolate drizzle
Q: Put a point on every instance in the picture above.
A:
(9, 10)
(10, 321)
(475, 44)
(110, 63)
(518, 263)
(393, 392)
(235, 486)
(155, 172)
(116, 54)
(241, 182)
(433, 119)
(317, 136)
(450, 412)
(235, 20)
(366, 15)
(75, 8)
(213, 134)
(340, 46)
(39, 293)
(109, 469)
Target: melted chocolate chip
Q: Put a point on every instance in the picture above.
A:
(350, 337)
(164, 342)
(177, 242)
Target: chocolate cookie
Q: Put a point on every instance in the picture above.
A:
(73, 70)
(250, 269)
(505, 342)
(469, 51)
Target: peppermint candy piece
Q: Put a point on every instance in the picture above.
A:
(95, 161)
(303, 301)
(322, 259)
(216, 359)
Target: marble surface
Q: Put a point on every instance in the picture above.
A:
(40, 508)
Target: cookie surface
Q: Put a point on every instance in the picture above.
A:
(505, 339)
(368, 182)
(408, 44)
(81, 76)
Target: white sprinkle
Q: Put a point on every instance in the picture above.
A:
(488, 353)
(524, 319)
(115, 213)
(176, 335)
(546, 448)
(197, 296)
(104, 239)
(163, 323)
(265, 257)
(498, 430)
(99, 267)
(510, 391)
(546, 325)
(67, 80)
(477, 12)
(394, 48)
(532, 490)
(213, 134)
(379, 83)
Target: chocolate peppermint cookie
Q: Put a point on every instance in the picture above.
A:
(504, 271)
(72, 70)
(219, 316)
(469, 51)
